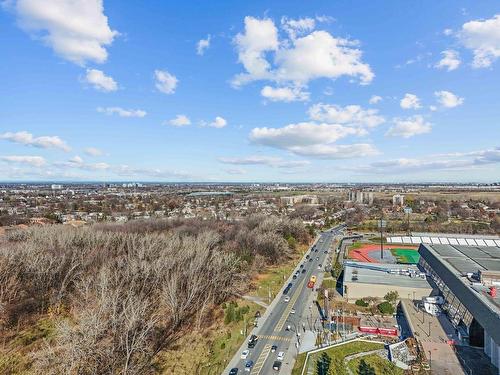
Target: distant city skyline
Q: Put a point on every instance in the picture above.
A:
(288, 91)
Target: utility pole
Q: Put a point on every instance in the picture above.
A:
(382, 223)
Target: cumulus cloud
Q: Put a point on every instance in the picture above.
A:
(409, 127)
(299, 26)
(270, 161)
(482, 37)
(34, 161)
(100, 81)
(218, 123)
(179, 121)
(122, 112)
(410, 101)
(299, 59)
(351, 114)
(165, 82)
(375, 99)
(450, 60)
(448, 99)
(312, 139)
(203, 45)
(92, 151)
(25, 138)
(284, 94)
(77, 30)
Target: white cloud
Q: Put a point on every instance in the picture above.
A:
(448, 99)
(332, 151)
(284, 94)
(301, 134)
(435, 162)
(320, 55)
(450, 60)
(203, 45)
(375, 99)
(100, 81)
(165, 82)
(34, 161)
(77, 30)
(448, 32)
(179, 121)
(297, 27)
(218, 123)
(122, 112)
(260, 36)
(271, 161)
(409, 127)
(410, 101)
(352, 115)
(28, 139)
(483, 38)
(297, 60)
(92, 151)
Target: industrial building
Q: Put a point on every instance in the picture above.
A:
(376, 280)
(467, 278)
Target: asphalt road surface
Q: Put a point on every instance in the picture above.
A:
(273, 325)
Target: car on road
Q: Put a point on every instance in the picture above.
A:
(252, 341)
(276, 365)
(310, 259)
(294, 277)
(317, 258)
(274, 348)
(301, 266)
(303, 270)
(307, 256)
(245, 353)
(292, 311)
(248, 365)
(286, 299)
(281, 355)
(233, 371)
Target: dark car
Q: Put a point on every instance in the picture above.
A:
(274, 348)
(276, 365)
(294, 277)
(310, 259)
(248, 365)
(307, 256)
(257, 314)
(252, 341)
(303, 270)
(301, 266)
(289, 285)
(233, 371)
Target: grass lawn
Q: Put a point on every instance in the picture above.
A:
(373, 364)
(273, 279)
(340, 352)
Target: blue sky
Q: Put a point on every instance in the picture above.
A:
(333, 91)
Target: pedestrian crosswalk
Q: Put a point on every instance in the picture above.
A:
(275, 338)
(261, 360)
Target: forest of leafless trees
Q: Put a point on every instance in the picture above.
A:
(122, 293)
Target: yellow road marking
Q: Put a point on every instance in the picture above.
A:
(275, 338)
(291, 303)
(259, 363)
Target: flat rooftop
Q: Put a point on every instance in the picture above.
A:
(452, 263)
(371, 273)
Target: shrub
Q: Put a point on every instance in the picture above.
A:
(386, 308)
(361, 303)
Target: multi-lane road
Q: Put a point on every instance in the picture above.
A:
(288, 316)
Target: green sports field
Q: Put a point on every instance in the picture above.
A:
(408, 256)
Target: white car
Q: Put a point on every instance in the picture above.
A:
(292, 311)
(280, 357)
(244, 354)
(287, 299)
